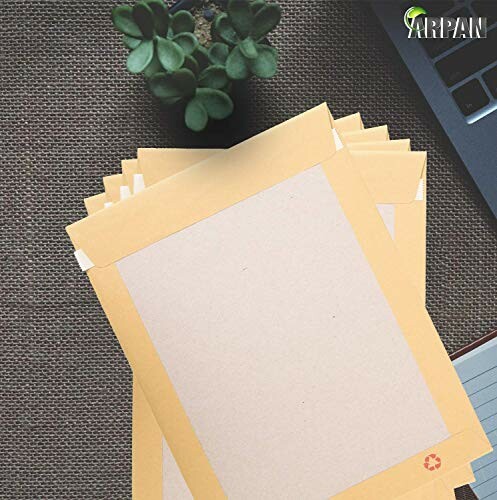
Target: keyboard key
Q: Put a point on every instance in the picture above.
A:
(471, 97)
(486, 8)
(468, 59)
(436, 46)
(490, 78)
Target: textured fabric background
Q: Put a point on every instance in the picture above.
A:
(69, 113)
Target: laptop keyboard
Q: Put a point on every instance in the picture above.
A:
(468, 59)
(468, 67)
(486, 8)
(490, 78)
(471, 97)
(437, 46)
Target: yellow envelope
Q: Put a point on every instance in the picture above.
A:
(130, 171)
(309, 135)
(368, 134)
(144, 426)
(415, 256)
(115, 188)
(154, 472)
(464, 477)
(395, 145)
(403, 209)
(148, 450)
(147, 439)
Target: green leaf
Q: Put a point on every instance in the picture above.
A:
(182, 22)
(221, 27)
(140, 57)
(214, 77)
(144, 18)
(181, 83)
(122, 17)
(161, 16)
(157, 6)
(218, 53)
(265, 20)
(266, 64)
(131, 42)
(170, 54)
(196, 117)
(163, 86)
(154, 67)
(241, 17)
(217, 104)
(187, 41)
(201, 56)
(248, 48)
(256, 5)
(237, 66)
(191, 64)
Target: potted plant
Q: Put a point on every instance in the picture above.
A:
(193, 53)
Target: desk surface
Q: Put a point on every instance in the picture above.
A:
(69, 113)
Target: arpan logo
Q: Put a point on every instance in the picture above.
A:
(421, 25)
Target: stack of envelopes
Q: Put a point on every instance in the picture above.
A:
(270, 301)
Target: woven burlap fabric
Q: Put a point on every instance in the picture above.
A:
(69, 113)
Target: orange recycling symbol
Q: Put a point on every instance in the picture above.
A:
(432, 462)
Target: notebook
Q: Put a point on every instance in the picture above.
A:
(476, 366)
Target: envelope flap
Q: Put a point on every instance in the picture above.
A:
(112, 185)
(157, 163)
(369, 134)
(129, 169)
(392, 177)
(131, 163)
(349, 123)
(289, 148)
(95, 203)
(401, 145)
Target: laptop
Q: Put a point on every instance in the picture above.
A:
(458, 77)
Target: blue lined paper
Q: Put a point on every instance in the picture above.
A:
(478, 373)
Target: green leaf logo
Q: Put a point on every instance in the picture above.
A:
(412, 14)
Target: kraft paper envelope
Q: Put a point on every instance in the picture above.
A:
(350, 123)
(396, 145)
(398, 188)
(224, 403)
(130, 171)
(144, 472)
(404, 144)
(406, 222)
(368, 134)
(415, 221)
(145, 464)
(465, 476)
(142, 461)
(147, 439)
(155, 474)
(115, 188)
(408, 214)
